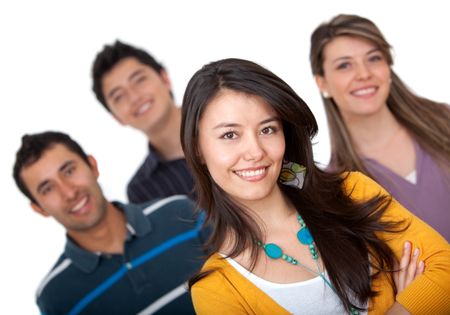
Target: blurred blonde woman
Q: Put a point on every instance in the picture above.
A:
(377, 125)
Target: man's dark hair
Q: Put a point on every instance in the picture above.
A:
(33, 147)
(110, 56)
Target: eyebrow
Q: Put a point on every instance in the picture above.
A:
(61, 169)
(349, 57)
(113, 91)
(228, 125)
(135, 74)
(131, 77)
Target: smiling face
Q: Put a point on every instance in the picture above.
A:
(356, 76)
(241, 141)
(137, 95)
(65, 187)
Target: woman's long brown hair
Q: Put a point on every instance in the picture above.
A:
(344, 230)
(426, 121)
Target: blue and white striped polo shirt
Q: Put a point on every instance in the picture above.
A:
(162, 250)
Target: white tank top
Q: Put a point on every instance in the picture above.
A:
(306, 297)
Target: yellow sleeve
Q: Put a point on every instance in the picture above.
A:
(226, 292)
(430, 292)
(219, 291)
(210, 297)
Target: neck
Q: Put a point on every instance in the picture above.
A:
(276, 217)
(372, 132)
(107, 237)
(165, 137)
(272, 212)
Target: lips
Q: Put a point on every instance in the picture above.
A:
(80, 205)
(364, 91)
(143, 108)
(250, 174)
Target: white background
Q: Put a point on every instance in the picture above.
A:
(45, 57)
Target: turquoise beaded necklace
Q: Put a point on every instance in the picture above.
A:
(304, 236)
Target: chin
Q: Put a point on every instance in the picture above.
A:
(251, 196)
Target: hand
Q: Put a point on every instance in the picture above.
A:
(409, 267)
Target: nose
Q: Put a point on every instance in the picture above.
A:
(68, 190)
(253, 150)
(133, 96)
(363, 71)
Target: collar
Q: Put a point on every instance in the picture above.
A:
(155, 155)
(152, 160)
(138, 225)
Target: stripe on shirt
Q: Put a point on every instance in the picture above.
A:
(137, 262)
(130, 229)
(163, 202)
(63, 265)
(164, 300)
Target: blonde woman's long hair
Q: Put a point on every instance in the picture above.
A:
(428, 122)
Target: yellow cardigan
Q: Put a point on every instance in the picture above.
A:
(226, 291)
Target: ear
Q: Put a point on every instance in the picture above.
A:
(93, 165)
(38, 209)
(321, 83)
(165, 78)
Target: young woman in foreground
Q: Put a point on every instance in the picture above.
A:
(322, 244)
(377, 125)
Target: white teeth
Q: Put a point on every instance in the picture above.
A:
(79, 205)
(251, 173)
(364, 91)
(143, 108)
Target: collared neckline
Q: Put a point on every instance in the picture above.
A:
(153, 159)
(137, 225)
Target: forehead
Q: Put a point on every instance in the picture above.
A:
(347, 46)
(122, 71)
(48, 164)
(232, 105)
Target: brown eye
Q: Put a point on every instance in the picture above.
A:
(229, 135)
(375, 58)
(45, 190)
(69, 171)
(268, 130)
(344, 65)
(117, 98)
(141, 79)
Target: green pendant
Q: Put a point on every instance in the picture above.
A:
(304, 236)
(273, 251)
